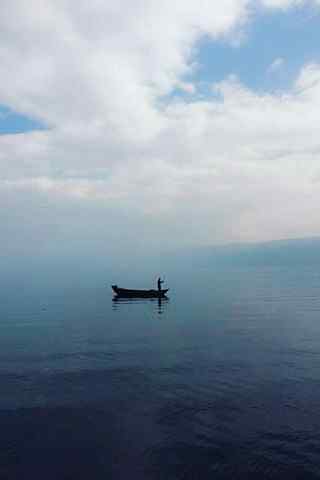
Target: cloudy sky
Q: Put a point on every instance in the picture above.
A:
(150, 124)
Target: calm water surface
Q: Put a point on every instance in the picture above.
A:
(219, 381)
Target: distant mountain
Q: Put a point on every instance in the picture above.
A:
(282, 252)
(275, 253)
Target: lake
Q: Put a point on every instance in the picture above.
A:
(221, 380)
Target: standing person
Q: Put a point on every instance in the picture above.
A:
(159, 283)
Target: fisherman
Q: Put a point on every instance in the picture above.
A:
(159, 283)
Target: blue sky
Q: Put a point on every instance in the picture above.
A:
(12, 122)
(292, 35)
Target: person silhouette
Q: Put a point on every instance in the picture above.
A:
(159, 283)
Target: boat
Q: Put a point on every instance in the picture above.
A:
(129, 293)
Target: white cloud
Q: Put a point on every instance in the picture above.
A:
(244, 166)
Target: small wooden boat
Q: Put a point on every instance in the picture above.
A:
(125, 292)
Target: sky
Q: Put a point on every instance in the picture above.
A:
(144, 125)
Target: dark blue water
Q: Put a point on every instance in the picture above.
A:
(220, 381)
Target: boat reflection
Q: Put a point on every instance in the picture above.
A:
(160, 303)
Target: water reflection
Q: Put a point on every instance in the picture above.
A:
(160, 303)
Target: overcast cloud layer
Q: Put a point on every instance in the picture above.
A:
(125, 161)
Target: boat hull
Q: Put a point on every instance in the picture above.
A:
(125, 292)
